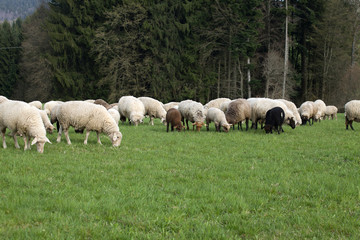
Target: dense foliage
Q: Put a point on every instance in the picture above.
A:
(177, 49)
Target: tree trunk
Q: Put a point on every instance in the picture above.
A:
(249, 77)
(241, 80)
(218, 83)
(286, 58)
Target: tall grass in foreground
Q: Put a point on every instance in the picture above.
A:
(303, 183)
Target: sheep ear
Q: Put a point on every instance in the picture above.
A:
(47, 140)
(34, 141)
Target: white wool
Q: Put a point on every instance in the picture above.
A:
(3, 99)
(36, 104)
(131, 108)
(321, 108)
(88, 116)
(192, 111)
(154, 109)
(307, 109)
(216, 103)
(224, 106)
(24, 119)
(169, 105)
(292, 107)
(114, 114)
(47, 124)
(49, 105)
(218, 117)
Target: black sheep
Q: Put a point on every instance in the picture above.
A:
(274, 119)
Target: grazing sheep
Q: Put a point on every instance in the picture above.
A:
(49, 105)
(170, 105)
(321, 109)
(331, 111)
(194, 112)
(238, 110)
(25, 120)
(216, 103)
(154, 109)
(307, 112)
(262, 105)
(131, 108)
(36, 104)
(173, 117)
(115, 115)
(218, 117)
(47, 124)
(102, 103)
(274, 119)
(352, 113)
(88, 116)
(292, 107)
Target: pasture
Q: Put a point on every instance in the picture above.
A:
(304, 183)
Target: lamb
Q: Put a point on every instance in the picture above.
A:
(321, 108)
(194, 112)
(25, 120)
(261, 106)
(88, 116)
(352, 113)
(49, 105)
(238, 110)
(131, 108)
(36, 104)
(274, 119)
(292, 107)
(170, 105)
(173, 117)
(154, 109)
(216, 103)
(331, 111)
(218, 117)
(307, 112)
(115, 115)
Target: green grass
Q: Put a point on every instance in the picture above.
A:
(301, 184)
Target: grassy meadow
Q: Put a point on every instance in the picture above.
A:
(304, 183)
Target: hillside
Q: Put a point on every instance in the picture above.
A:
(13, 9)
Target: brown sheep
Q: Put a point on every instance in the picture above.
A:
(173, 117)
(238, 111)
(102, 103)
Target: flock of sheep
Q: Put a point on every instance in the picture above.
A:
(31, 120)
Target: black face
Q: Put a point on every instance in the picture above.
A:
(304, 120)
(268, 128)
(292, 123)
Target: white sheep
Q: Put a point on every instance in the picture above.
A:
(292, 107)
(25, 120)
(47, 124)
(218, 117)
(216, 103)
(49, 105)
(331, 111)
(307, 111)
(36, 104)
(224, 106)
(115, 115)
(91, 117)
(154, 109)
(321, 108)
(131, 108)
(352, 113)
(194, 112)
(260, 106)
(170, 105)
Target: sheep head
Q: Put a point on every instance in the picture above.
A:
(40, 143)
(198, 125)
(115, 138)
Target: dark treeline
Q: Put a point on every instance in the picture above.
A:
(177, 49)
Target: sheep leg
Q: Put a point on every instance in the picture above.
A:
(167, 127)
(240, 125)
(207, 125)
(86, 136)
(15, 141)
(58, 139)
(66, 132)
(151, 121)
(3, 137)
(98, 138)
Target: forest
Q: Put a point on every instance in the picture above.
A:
(173, 50)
